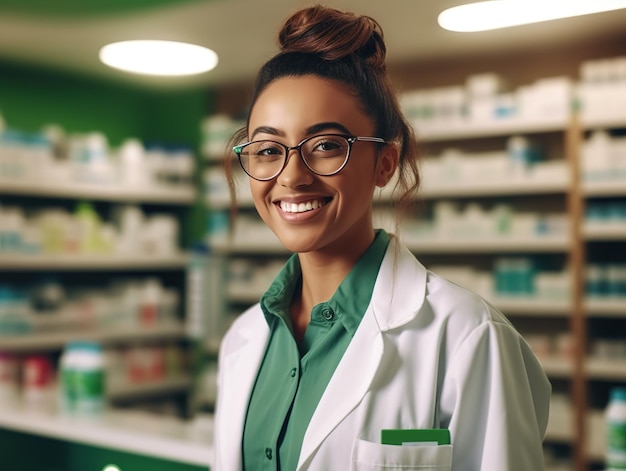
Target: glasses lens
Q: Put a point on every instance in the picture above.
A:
(262, 159)
(325, 154)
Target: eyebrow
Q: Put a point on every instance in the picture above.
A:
(309, 131)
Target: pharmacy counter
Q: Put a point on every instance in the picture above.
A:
(131, 441)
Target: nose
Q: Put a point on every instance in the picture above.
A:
(296, 173)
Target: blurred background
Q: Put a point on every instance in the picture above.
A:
(118, 276)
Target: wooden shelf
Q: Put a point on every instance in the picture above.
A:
(605, 369)
(92, 262)
(164, 194)
(247, 248)
(503, 127)
(500, 188)
(606, 307)
(615, 121)
(558, 367)
(555, 435)
(604, 232)
(599, 189)
(533, 307)
(105, 335)
(166, 386)
(489, 245)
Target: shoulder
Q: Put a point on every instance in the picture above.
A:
(450, 299)
(459, 312)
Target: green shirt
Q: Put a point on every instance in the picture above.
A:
(291, 381)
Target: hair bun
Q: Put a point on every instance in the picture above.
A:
(333, 35)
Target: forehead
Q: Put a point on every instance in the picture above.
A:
(292, 104)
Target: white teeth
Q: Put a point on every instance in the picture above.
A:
(302, 207)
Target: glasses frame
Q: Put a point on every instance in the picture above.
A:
(350, 139)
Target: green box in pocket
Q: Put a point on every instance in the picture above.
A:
(439, 436)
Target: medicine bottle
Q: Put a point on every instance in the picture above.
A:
(615, 416)
(82, 381)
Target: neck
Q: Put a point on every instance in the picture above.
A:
(322, 273)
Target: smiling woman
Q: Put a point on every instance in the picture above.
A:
(355, 338)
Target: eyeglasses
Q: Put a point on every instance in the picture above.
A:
(323, 155)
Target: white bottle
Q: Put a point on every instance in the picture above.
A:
(82, 381)
(615, 417)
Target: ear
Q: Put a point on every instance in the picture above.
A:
(386, 165)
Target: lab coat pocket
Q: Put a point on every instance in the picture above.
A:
(368, 456)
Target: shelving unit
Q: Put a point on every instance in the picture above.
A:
(605, 316)
(163, 194)
(104, 262)
(48, 337)
(54, 341)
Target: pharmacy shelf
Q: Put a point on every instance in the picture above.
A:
(503, 127)
(557, 367)
(251, 248)
(93, 262)
(163, 194)
(606, 369)
(559, 435)
(163, 387)
(217, 203)
(606, 307)
(607, 121)
(504, 187)
(532, 307)
(489, 245)
(162, 437)
(604, 232)
(110, 335)
(521, 306)
(242, 294)
(604, 188)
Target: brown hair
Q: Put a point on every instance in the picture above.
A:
(348, 49)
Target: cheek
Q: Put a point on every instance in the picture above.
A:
(259, 191)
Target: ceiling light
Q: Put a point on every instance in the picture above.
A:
(494, 14)
(154, 57)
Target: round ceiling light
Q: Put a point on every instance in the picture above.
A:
(157, 57)
(495, 14)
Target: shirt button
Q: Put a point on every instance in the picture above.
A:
(293, 372)
(328, 314)
(268, 453)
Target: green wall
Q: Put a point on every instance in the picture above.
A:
(31, 98)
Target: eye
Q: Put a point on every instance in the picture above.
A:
(327, 146)
(264, 151)
(266, 148)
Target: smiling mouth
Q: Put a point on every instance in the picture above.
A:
(303, 207)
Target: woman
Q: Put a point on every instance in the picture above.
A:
(355, 336)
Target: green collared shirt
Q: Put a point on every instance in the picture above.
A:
(291, 380)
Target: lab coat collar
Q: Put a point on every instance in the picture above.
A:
(398, 295)
(400, 288)
(241, 366)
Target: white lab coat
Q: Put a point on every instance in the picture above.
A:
(427, 354)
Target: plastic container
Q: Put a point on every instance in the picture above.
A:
(615, 416)
(38, 381)
(82, 379)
